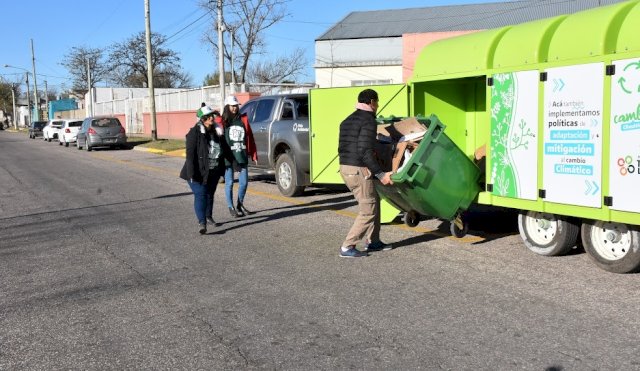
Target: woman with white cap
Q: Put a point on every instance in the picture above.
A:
(204, 165)
(240, 141)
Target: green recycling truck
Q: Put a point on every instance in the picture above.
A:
(554, 104)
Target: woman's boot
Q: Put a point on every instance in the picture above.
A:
(234, 213)
(243, 209)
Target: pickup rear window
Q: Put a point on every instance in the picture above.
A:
(263, 111)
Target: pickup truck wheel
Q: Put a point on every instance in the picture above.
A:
(286, 176)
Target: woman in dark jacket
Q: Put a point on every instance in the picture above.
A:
(204, 165)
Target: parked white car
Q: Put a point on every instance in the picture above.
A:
(51, 130)
(68, 132)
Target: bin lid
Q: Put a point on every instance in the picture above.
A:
(535, 35)
(628, 39)
(597, 29)
(601, 30)
(466, 53)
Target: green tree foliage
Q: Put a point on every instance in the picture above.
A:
(6, 99)
(128, 63)
(214, 78)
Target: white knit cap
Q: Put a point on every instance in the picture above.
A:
(231, 100)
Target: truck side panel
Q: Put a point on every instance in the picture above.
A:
(329, 106)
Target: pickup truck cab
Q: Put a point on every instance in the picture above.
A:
(280, 125)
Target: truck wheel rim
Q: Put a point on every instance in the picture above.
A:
(611, 241)
(541, 227)
(284, 175)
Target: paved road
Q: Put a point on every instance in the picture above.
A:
(101, 267)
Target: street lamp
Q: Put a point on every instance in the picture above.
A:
(35, 91)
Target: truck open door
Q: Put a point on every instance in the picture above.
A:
(328, 108)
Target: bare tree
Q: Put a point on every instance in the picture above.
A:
(280, 69)
(128, 63)
(76, 64)
(248, 19)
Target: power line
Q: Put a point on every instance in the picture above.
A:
(187, 26)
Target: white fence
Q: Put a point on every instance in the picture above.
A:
(182, 100)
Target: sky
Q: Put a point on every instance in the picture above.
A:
(56, 27)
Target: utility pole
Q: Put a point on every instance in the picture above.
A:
(13, 97)
(233, 73)
(221, 53)
(46, 99)
(152, 94)
(28, 98)
(35, 83)
(90, 89)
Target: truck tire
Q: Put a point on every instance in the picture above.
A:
(614, 247)
(547, 234)
(286, 176)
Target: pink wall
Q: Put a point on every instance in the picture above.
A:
(412, 44)
(176, 124)
(170, 125)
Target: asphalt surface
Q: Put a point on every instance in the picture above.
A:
(102, 267)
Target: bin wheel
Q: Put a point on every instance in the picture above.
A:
(458, 227)
(411, 218)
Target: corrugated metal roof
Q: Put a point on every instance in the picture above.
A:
(395, 22)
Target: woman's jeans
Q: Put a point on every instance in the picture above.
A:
(203, 195)
(243, 180)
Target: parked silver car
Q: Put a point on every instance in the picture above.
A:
(101, 132)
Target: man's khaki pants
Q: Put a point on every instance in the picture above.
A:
(367, 223)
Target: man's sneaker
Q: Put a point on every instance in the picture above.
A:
(352, 253)
(211, 221)
(202, 228)
(378, 246)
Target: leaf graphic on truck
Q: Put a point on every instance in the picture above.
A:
(514, 134)
(502, 172)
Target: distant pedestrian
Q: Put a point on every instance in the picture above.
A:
(242, 148)
(203, 166)
(359, 169)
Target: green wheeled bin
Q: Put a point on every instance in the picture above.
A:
(438, 180)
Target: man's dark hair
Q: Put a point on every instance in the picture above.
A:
(203, 104)
(367, 95)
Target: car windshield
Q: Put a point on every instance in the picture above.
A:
(73, 124)
(39, 124)
(105, 123)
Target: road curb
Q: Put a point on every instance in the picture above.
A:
(177, 153)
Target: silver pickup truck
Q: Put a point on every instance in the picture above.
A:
(280, 125)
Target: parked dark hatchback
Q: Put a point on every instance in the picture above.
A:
(35, 129)
(101, 132)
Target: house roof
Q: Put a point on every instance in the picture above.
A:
(396, 22)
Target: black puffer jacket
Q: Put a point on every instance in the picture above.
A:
(196, 165)
(357, 141)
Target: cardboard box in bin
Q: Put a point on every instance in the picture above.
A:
(389, 150)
